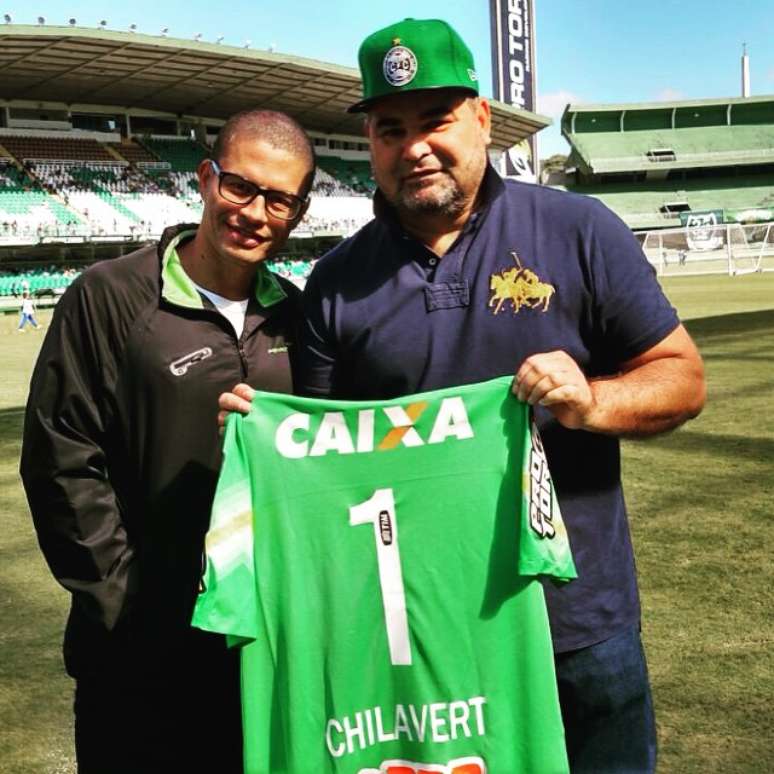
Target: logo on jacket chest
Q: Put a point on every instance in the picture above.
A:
(521, 287)
(180, 366)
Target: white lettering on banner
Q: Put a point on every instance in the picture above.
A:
(515, 23)
(518, 64)
(516, 71)
(447, 722)
(295, 438)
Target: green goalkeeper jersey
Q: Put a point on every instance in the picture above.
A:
(378, 564)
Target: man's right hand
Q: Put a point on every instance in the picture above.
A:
(238, 400)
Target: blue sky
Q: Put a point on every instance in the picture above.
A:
(587, 50)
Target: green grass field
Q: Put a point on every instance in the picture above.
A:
(701, 513)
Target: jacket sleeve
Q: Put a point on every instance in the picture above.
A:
(64, 467)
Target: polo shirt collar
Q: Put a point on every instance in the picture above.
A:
(177, 287)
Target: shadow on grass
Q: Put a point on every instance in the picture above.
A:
(11, 424)
(742, 322)
(716, 444)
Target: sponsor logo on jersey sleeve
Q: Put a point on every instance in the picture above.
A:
(520, 287)
(541, 517)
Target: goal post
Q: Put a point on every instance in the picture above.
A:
(724, 248)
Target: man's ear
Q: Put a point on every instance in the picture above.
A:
(484, 118)
(203, 172)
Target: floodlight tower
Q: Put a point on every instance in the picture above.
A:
(745, 71)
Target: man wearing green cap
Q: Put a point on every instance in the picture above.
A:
(462, 277)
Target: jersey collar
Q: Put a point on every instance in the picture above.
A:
(177, 287)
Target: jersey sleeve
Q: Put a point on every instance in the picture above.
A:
(544, 547)
(227, 601)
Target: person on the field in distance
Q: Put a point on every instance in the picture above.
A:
(462, 277)
(121, 452)
(27, 312)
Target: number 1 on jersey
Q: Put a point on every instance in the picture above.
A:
(379, 510)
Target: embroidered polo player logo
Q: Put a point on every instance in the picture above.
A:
(520, 286)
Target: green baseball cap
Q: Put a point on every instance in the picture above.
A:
(414, 54)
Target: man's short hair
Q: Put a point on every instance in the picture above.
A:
(277, 129)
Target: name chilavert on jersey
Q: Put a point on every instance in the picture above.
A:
(437, 722)
(306, 435)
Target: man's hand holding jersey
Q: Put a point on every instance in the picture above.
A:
(238, 400)
(652, 393)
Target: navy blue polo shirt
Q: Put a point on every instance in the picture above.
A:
(534, 270)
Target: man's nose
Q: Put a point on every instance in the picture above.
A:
(416, 147)
(255, 211)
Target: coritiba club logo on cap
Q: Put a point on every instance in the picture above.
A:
(399, 65)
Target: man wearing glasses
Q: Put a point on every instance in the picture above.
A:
(121, 451)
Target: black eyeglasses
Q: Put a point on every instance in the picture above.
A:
(235, 189)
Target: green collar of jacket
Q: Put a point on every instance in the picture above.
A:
(177, 287)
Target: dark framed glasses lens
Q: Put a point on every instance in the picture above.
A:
(282, 205)
(236, 188)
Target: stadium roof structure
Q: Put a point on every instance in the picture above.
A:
(655, 137)
(79, 66)
(588, 107)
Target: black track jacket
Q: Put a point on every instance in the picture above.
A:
(121, 449)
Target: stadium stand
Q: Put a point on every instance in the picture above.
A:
(296, 269)
(133, 152)
(343, 177)
(26, 210)
(646, 205)
(39, 282)
(182, 154)
(93, 184)
(96, 148)
(52, 147)
(656, 164)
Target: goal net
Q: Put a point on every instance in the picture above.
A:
(726, 248)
